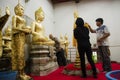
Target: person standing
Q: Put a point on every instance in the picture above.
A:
(102, 42)
(81, 34)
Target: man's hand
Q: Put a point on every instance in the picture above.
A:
(100, 40)
(104, 37)
(89, 27)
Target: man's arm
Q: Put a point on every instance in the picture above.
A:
(90, 28)
(104, 37)
(106, 34)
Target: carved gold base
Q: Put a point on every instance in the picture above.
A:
(77, 65)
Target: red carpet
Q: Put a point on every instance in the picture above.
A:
(57, 75)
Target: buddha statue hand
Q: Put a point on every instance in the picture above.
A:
(28, 31)
(25, 30)
(7, 11)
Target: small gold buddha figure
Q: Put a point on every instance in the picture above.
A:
(76, 15)
(66, 45)
(38, 31)
(19, 32)
(62, 41)
(7, 42)
(7, 37)
(3, 20)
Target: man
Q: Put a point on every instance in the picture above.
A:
(59, 51)
(81, 34)
(102, 42)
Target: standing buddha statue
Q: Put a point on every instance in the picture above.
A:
(77, 60)
(19, 32)
(74, 42)
(66, 45)
(62, 41)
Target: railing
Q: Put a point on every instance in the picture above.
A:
(72, 54)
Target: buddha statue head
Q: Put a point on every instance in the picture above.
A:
(19, 9)
(76, 14)
(39, 15)
(66, 37)
(61, 37)
(8, 31)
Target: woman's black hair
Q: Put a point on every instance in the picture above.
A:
(80, 22)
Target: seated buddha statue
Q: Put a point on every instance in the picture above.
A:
(38, 31)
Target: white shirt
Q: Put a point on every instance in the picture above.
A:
(100, 32)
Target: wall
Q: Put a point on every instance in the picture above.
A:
(90, 10)
(47, 6)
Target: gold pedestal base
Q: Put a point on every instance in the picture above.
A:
(77, 61)
(24, 77)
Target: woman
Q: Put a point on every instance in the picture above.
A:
(81, 34)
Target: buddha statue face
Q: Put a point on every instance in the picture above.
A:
(65, 37)
(8, 31)
(61, 36)
(39, 15)
(19, 10)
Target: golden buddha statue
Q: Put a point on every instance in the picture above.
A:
(66, 45)
(7, 38)
(19, 32)
(38, 31)
(74, 42)
(7, 42)
(62, 41)
(77, 60)
(3, 21)
(8, 32)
